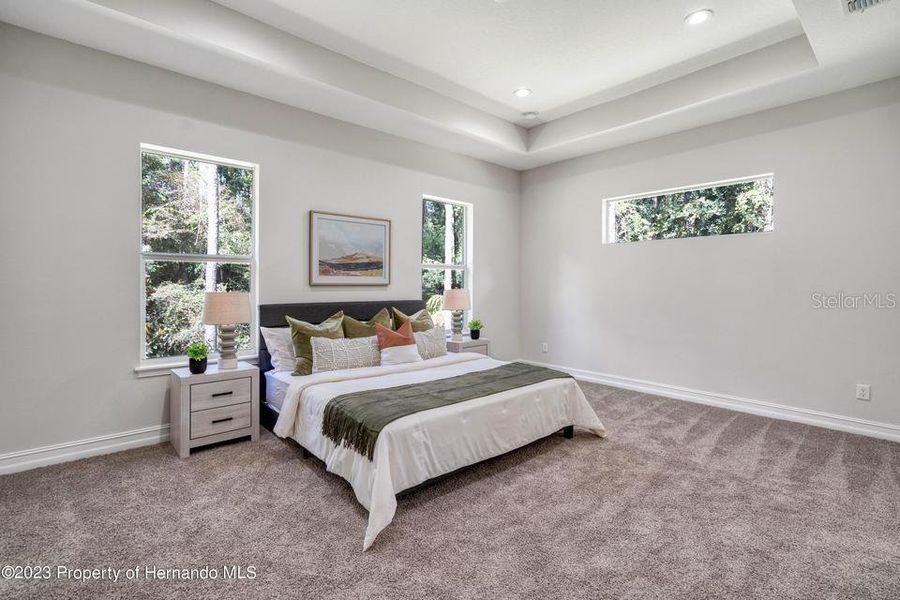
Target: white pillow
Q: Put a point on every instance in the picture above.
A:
(344, 353)
(431, 343)
(280, 346)
(397, 355)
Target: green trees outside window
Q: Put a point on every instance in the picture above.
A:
(197, 236)
(443, 253)
(740, 207)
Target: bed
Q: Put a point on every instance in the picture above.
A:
(420, 447)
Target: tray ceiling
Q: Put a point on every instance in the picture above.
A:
(603, 74)
(565, 51)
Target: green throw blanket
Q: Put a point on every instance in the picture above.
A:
(356, 419)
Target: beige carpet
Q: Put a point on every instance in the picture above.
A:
(681, 501)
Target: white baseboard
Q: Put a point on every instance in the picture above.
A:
(886, 431)
(33, 458)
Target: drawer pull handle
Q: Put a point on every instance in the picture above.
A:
(225, 420)
(220, 394)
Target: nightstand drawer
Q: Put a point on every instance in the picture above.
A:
(477, 349)
(212, 407)
(219, 393)
(220, 420)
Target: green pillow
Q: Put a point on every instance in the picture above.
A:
(421, 321)
(301, 332)
(358, 329)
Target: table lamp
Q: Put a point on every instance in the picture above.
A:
(225, 309)
(457, 301)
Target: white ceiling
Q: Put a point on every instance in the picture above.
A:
(564, 50)
(441, 72)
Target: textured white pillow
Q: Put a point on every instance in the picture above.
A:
(397, 355)
(280, 347)
(344, 353)
(431, 343)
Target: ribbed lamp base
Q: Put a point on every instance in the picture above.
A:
(227, 348)
(457, 325)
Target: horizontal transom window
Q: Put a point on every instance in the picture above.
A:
(736, 206)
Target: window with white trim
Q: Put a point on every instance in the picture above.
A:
(446, 253)
(197, 235)
(736, 206)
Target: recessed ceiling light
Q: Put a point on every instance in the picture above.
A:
(521, 92)
(530, 115)
(699, 16)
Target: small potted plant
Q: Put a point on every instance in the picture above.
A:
(197, 355)
(475, 329)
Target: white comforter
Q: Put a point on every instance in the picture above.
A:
(427, 444)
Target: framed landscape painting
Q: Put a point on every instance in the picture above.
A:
(348, 250)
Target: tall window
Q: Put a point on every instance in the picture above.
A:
(737, 206)
(446, 253)
(197, 235)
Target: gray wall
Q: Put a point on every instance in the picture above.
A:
(729, 315)
(733, 314)
(71, 121)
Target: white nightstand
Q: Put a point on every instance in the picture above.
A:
(213, 407)
(481, 345)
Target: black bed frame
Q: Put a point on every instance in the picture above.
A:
(273, 315)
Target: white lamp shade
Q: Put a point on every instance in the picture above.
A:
(226, 308)
(456, 300)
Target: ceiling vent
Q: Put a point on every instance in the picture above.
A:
(858, 6)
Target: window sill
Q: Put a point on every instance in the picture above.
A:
(161, 369)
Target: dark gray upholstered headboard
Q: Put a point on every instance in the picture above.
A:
(272, 315)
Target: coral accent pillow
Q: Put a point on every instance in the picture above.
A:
(397, 347)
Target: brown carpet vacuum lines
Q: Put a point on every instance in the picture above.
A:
(680, 501)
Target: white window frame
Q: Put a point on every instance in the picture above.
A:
(467, 266)
(159, 366)
(609, 223)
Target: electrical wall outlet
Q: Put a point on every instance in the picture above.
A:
(545, 347)
(862, 391)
